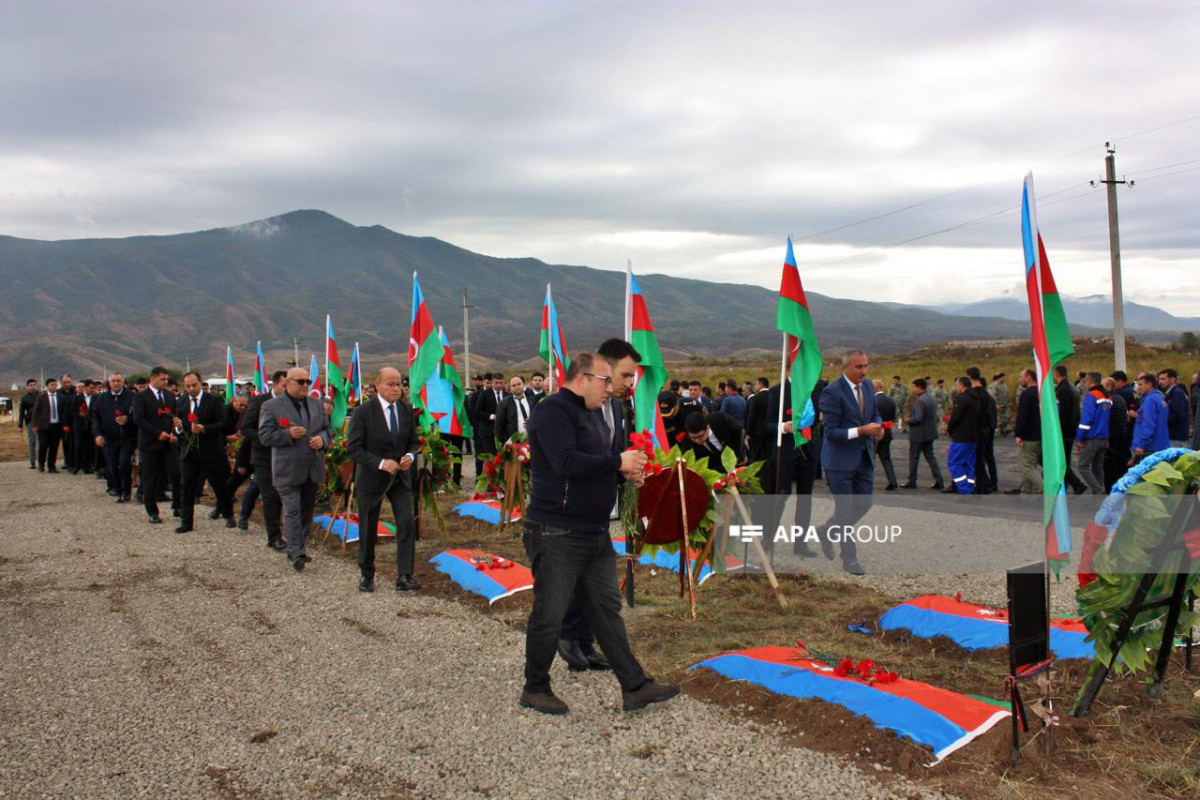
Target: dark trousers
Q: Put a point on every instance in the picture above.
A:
(369, 506)
(915, 451)
(195, 471)
(1116, 463)
(272, 504)
(85, 447)
(158, 468)
(851, 500)
(1077, 485)
(460, 443)
(235, 480)
(564, 562)
(48, 439)
(883, 451)
(68, 448)
(796, 473)
(298, 502)
(118, 465)
(985, 462)
(249, 498)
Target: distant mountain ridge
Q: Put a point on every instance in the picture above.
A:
(84, 304)
(1093, 310)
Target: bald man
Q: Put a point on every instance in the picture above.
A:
(295, 427)
(383, 443)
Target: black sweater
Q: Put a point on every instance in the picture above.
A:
(964, 420)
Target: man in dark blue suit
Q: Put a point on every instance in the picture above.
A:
(851, 425)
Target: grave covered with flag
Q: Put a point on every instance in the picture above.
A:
(486, 510)
(345, 527)
(484, 574)
(940, 719)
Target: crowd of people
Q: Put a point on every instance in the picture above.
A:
(579, 436)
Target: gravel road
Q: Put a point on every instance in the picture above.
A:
(138, 663)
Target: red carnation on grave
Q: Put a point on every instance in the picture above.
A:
(284, 422)
(958, 597)
(841, 671)
(864, 668)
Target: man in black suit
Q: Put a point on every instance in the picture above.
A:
(756, 421)
(154, 416)
(81, 427)
(537, 387)
(116, 435)
(383, 441)
(25, 419)
(1068, 420)
(513, 412)
(260, 460)
(708, 437)
(798, 468)
(199, 424)
(48, 420)
(67, 398)
(883, 448)
(487, 401)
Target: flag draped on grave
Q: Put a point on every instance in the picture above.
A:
(260, 372)
(802, 353)
(230, 389)
(425, 352)
(335, 382)
(1051, 344)
(551, 348)
(651, 373)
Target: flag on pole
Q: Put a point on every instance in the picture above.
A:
(260, 372)
(425, 352)
(230, 389)
(354, 382)
(1051, 344)
(335, 382)
(314, 375)
(802, 354)
(651, 373)
(552, 349)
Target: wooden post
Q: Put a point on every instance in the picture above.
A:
(688, 575)
(783, 603)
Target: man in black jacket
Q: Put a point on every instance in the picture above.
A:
(575, 461)
(25, 419)
(1068, 419)
(48, 420)
(154, 416)
(383, 441)
(985, 459)
(199, 424)
(260, 459)
(883, 448)
(923, 423)
(1118, 454)
(512, 414)
(756, 421)
(116, 435)
(963, 430)
(709, 437)
(1028, 433)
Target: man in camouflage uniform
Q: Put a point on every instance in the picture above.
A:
(942, 398)
(999, 392)
(899, 394)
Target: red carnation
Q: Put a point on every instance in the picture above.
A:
(679, 436)
(946, 418)
(192, 416)
(284, 423)
(888, 425)
(840, 671)
(864, 668)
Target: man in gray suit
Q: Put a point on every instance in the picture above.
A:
(922, 431)
(296, 429)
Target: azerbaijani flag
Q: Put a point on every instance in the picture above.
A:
(314, 374)
(260, 372)
(1051, 344)
(230, 389)
(456, 422)
(552, 349)
(425, 352)
(354, 382)
(803, 354)
(651, 373)
(335, 382)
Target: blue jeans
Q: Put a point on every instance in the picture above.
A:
(565, 563)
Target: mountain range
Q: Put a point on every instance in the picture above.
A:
(125, 303)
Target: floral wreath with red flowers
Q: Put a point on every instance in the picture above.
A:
(514, 451)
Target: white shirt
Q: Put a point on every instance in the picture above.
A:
(852, 433)
(522, 411)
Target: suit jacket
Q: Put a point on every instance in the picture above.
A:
(484, 421)
(260, 454)
(811, 450)
(923, 424)
(153, 418)
(839, 415)
(210, 445)
(887, 413)
(727, 431)
(507, 419)
(370, 442)
(293, 462)
(41, 410)
(105, 406)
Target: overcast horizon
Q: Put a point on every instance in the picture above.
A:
(690, 137)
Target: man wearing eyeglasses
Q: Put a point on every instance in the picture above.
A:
(295, 427)
(575, 461)
(260, 460)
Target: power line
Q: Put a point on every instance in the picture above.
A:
(1165, 166)
(1169, 174)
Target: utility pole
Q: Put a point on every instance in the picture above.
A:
(1114, 248)
(466, 339)
(296, 349)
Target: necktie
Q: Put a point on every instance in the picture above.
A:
(862, 407)
(608, 420)
(522, 414)
(195, 405)
(394, 424)
(53, 409)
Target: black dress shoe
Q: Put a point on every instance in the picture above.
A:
(803, 550)
(184, 529)
(41, 469)
(891, 487)
(1012, 491)
(175, 512)
(366, 585)
(937, 487)
(407, 583)
(853, 567)
(305, 557)
(214, 514)
(298, 565)
(33, 466)
(156, 520)
(110, 493)
(243, 523)
(827, 549)
(950, 490)
(572, 653)
(54, 471)
(279, 545)
(597, 661)
(909, 485)
(229, 523)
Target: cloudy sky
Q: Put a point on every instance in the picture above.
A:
(889, 138)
